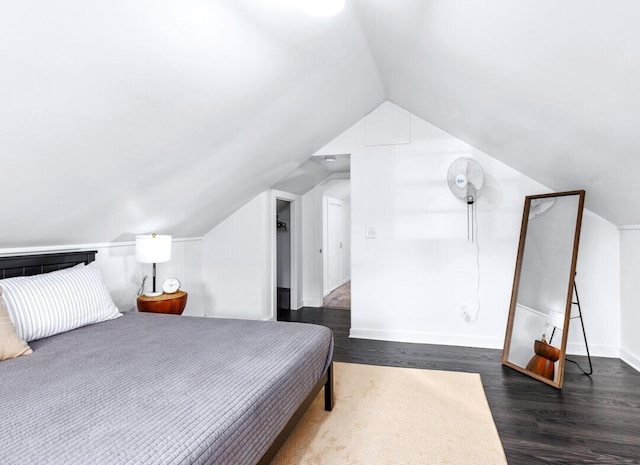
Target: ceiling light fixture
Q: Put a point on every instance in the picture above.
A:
(329, 159)
(321, 7)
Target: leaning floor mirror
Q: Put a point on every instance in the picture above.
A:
(543, 286)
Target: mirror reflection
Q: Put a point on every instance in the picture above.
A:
(536, 336)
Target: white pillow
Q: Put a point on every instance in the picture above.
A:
(52, 303)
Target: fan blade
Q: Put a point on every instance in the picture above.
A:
(475, 174)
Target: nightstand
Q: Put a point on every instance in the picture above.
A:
(164, 303)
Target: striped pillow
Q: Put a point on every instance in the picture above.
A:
(52, 303)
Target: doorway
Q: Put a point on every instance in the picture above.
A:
(336, 259)
(283, 254)
(334, 244)
(305, 188)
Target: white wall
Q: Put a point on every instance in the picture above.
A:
(346, 245)
(236, 266)
(312, 234)
(630, 297)
(239, 260)
(598, 282)
(414, 280)
(337, 188)
(123, 275)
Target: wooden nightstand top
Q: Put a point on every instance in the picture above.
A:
(163, 296)
(164, 303)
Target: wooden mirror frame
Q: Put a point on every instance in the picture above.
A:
(557, 382)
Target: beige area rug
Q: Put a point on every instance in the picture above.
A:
(340, 297)
(403, 416)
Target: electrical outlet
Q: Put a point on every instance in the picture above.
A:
(370, 233)
(464, 313)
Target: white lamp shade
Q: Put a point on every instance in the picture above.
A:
(153, 248)
(555, 319)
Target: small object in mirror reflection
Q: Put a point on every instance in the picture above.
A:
(540, 206)
(555, 320)
(543, 362)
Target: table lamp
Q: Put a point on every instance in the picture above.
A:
(153, 248)
(555, 320)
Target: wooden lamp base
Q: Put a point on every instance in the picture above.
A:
(544, 361)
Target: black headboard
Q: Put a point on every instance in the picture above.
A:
(28, 265)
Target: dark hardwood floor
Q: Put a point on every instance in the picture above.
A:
(592, 420)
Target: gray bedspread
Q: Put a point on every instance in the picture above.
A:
(158, 389)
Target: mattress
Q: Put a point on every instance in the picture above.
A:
(158, 389)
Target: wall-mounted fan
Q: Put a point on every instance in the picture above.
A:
(466, 178)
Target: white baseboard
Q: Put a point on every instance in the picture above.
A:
(426, 338)
(478, 341)
(312, 303)
(631, 359)
(596, 351)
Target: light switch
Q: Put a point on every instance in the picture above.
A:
(370, 233)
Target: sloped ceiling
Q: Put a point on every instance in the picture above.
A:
(551, 88)
(313, 172)
(126, 117)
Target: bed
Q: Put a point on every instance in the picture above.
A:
(157, 389)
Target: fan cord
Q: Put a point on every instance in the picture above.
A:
(470, 222)
(467, 317)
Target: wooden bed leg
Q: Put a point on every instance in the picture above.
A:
(328, 390)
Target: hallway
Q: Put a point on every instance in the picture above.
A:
(339, 298)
